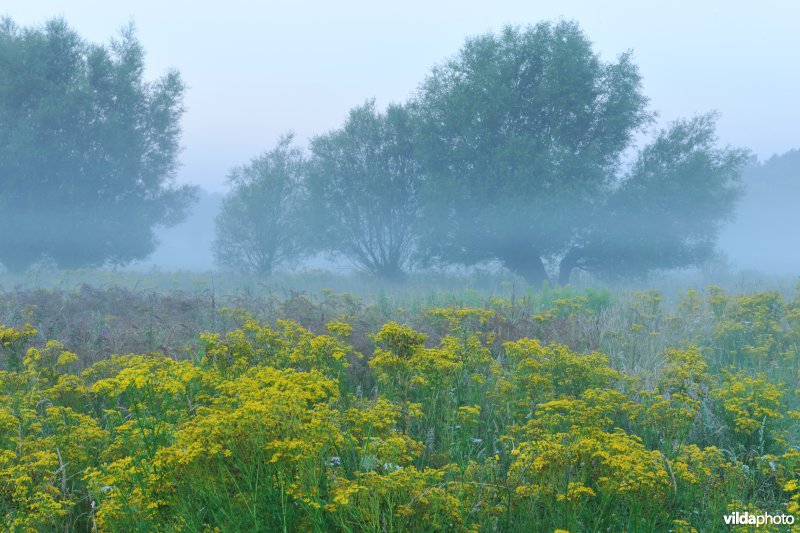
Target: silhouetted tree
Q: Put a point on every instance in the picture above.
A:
(259, 225)
(88, 149)
(667, 211)
(522, 136)
(363, 181)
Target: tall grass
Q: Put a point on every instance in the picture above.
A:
(499, 410)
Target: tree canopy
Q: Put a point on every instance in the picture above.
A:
(522, 138)
(88, 148)
(519, 150)
(259, 225)
(363, 181)
(666, 211)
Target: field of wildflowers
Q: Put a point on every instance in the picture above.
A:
(590, 411)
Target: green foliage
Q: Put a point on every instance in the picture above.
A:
(446, 427)
(260, 225)
(520, 133)
(667, 211)
(13, 343)
(364, 180)
(512, 152)
(88, 149)
(521, 137)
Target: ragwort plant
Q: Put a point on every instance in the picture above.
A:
(273, 427)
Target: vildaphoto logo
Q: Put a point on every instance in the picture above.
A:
(748, 519)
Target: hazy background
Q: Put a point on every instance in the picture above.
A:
(256, 70)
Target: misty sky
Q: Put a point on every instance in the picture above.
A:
(258, 69)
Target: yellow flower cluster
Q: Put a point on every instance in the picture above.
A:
(273, 427)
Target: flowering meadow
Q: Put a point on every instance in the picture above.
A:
(582, 411)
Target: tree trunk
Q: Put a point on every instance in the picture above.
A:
(567, 265)
(391, 273)
(528, 264)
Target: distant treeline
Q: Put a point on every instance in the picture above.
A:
(763, 235)
(515, 151)
(518, 150)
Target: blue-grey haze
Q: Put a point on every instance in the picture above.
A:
(258, 69)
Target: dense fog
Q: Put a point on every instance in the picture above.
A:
(526, 151)
(762, 237)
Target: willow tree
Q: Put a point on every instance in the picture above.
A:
(363, 182)
(259, 226)
(521, 137)
(88, 148)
